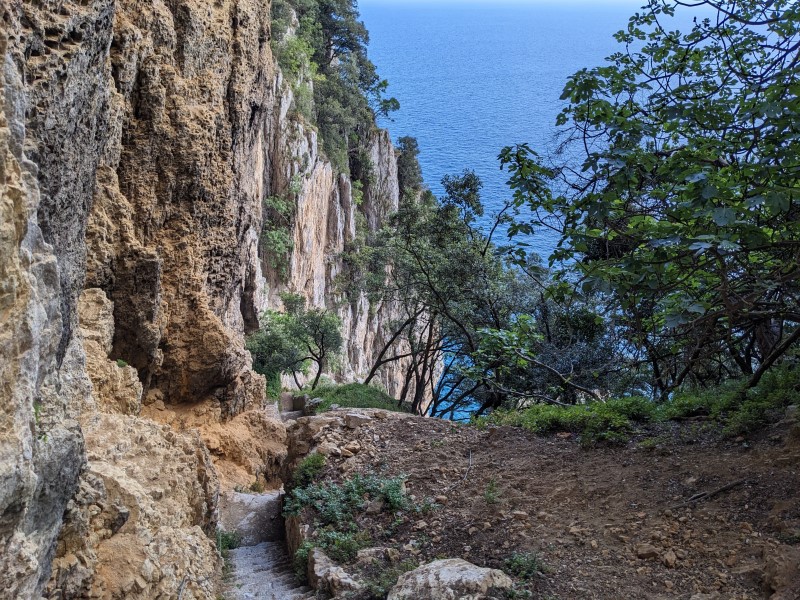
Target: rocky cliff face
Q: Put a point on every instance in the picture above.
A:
(326, 223)
(138, 141)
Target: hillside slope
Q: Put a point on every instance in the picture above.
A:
(600, 523)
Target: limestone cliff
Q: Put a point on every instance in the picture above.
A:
(325, 224)
(138, 141)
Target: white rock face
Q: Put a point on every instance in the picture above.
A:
(326, 221)
(450, 579)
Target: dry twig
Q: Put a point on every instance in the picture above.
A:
(463, 479)
(707, 495)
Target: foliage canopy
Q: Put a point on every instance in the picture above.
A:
(683, 212)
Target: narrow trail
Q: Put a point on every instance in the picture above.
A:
(264, 572)
(261, 568)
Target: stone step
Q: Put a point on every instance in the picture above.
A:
(264, 572)
(291, 415)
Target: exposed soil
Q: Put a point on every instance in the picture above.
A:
(607, 522)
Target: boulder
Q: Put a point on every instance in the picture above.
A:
(782, 573)
(646, 551)
(326, 576)
(449, 579)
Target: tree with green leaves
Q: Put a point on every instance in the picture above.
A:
(409, 174)
(683, 212)
(348, 93)
(286, 342)
(274, 349)
(317, 331)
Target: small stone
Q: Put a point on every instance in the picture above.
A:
(670, 559)
(681, 554)
(473, 530)
(355, 420)
(520, 515)
(441, 499)
(352, 446)
(329, 449)
(646, 551)
(421, 525)
(346, 453)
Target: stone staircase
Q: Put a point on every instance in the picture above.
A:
(261, 568)
(264, 572)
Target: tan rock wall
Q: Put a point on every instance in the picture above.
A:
(141, 525)
(174, 229)
(138, 141)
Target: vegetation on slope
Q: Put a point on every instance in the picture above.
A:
(355, 395)
(322, 48)
(678, 268)
(731, 409)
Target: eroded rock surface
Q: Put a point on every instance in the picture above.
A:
(142, 524)
(42, 381)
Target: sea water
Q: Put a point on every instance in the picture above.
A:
(473, 77)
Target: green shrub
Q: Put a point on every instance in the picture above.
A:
(300, 560)
(277, 246)
(342, 546)
(121, 363)
(274, 386)
(610, 421)
(737, 410)
(525, 565)
(227, 540)
(294, 57)
(766, 402)
(336, 504)
(354, 395)
(308, 469)
(491, 494)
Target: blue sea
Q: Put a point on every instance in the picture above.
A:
(473, 77)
